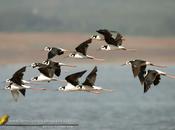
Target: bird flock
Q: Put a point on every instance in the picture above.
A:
(50, 70)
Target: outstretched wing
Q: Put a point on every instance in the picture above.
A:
(106, 33)
(47, 71)
(157, 80)
(82, 48)
(119, 39)
(54, 52)
(18, 75)
(142, 73)
(73, 78)
(22, 91)
(149, 80)
(91, 78)
(15, 94)
(58, 71)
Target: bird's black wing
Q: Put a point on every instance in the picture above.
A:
(18, 75)
(106, 33)
(51, 55)
(149, 80)
(47, 71)
(22, 91)
(82, 48)
(91, 78)
(136, 66)
(73, 78)
(119, 39)
(157, 80)
(54, 52)
(58, 70)
(142, 73)
(135, 70)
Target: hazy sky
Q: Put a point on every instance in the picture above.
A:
(132, 17)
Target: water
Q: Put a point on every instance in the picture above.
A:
(126, 108)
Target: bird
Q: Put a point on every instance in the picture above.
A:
(53, 51)
(139, 68)
(89, 83)
(16, 84)
(154, 77)
(81, 51)
(4, 119)
(112, 43)
(47, 70)
(72, 82)
(87, 86)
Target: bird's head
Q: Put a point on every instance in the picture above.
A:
(105, 47)
(7, 80)
(34, 79)
(79, 86)
(96, 37)
(72, 55)
(8, 87)
(62, 88)
(46, 62)
(47, 48)
(33, 65)
(127, 63)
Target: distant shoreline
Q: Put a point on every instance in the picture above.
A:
(19, 48)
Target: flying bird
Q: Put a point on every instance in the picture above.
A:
(112, 43)
(72, 82)
(47, 70)
(53, 51)
(81, 51)
(16, 84)
(139, 68)
(154, 77)
(88, 85)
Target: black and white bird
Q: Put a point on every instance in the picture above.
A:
(53, 51)
(17, 84)
(88, 85)
(72, 82)
(153, 77)
(139, 68)
(112, 43)
(47, 70)
(81, 51)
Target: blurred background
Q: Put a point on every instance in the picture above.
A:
(131, 17)
(27, 26)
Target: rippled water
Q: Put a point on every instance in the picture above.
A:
(126, 108)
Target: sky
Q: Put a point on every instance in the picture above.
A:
(131, 17)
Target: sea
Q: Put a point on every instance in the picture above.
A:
(125, 108)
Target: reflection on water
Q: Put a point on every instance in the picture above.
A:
(124, 108)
